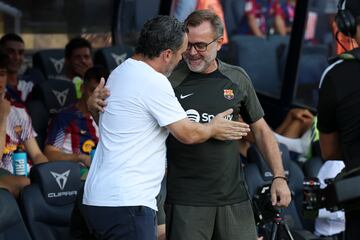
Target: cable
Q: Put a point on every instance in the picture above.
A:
(337, 39)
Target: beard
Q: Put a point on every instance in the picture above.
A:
(199, 63)
(169, 70)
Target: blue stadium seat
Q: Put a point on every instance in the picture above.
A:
(234, 11)
(111, 57)
(56, 94)
(145, 10)
(313, 62)
(50, 62)
(49, 98)
(47, 203)
(11, 222)
(39, 116)
(259, 58)
(131, 16)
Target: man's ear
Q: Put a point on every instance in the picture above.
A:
(167, 55)
(219, 42)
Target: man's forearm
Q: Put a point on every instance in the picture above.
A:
(40, 158)
(61, 156)
(269, 147)
(189, 132)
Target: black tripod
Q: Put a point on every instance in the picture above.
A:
(280, 230)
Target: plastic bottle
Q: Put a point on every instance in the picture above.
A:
(20, 162)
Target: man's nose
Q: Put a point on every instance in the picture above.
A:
(192, 50)
(17, 55)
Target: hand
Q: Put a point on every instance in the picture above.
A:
(301, 114)
(96, 101)
(226, 129)
(280, 193)
(85, 159)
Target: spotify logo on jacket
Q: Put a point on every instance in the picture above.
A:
(195, 116)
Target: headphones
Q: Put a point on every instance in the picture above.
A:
(345, 21)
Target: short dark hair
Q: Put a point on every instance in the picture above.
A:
(198, 17)
(76, 43)
(96, 72)
(159, 34)
(10, 37)
(4, 60)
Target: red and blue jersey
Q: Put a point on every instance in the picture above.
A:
(18, 131)
(73, 132)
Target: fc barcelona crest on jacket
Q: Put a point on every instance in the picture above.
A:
(228, 94)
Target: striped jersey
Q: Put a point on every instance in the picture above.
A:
(73, 132)
(18, 130)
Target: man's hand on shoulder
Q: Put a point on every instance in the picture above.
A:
(96, 101)
(224, 129)
(85, 159)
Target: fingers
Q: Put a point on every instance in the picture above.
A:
(230, 134)
(239, 127)
(96, 101)
(225, 113)
(99, 88)
(280, 193)
(101, 84)
(227, 129)
(273, 197)
(100, 105)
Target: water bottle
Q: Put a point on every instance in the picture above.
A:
(20, 162)
(92, 152)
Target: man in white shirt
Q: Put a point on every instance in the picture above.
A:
(129, 163)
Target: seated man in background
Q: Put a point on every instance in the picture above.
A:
(18, 89)
(19, 133)
(295, 132)
(77, 61)
(73, 132)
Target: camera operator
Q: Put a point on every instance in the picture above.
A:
(338, 107)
